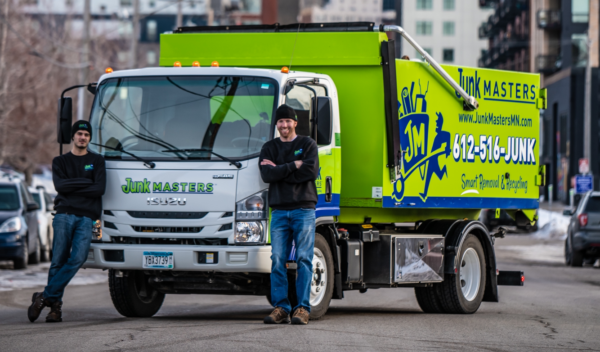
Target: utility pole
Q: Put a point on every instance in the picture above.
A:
(133, 57)
(84, 72)
(592, 61)
(179, 22)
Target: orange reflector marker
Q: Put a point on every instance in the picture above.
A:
(177, 64)
(108, 70)
(285, 69)
(196, 64)
(215, 64)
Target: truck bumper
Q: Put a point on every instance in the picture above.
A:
(254, 259)
(584, 240)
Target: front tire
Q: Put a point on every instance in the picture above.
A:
(462, 293)
(132, 296)
(321, 289)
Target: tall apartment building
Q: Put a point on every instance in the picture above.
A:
(446, 29)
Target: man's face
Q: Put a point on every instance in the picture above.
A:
(81, 139)
(286, 127)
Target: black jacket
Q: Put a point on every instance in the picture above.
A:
(290, 187)
(80, 182)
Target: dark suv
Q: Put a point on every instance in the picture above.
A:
(19, 239)
(583, 237)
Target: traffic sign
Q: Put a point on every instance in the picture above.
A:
(584, 166)
(584, 183)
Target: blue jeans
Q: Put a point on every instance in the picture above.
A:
(287, 225)
(72, 238)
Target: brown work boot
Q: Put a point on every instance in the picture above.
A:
(278, 316)
(301, 316)
(37, 305)
(55, 315)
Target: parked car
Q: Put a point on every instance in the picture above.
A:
(46, 233)
(583, 236)
(19, 238)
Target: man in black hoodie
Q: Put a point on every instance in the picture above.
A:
(290, 164)
(80, 180)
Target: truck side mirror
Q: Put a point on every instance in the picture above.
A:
(64, 120)
(324, 120)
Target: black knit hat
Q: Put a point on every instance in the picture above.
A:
(81, 125)
(285, 112)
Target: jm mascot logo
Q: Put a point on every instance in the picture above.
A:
(421, 147)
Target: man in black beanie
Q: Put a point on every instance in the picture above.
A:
(290, 164)
(80, 180)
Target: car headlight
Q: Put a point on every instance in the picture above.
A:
(12, 225)
(250, 232)
(253, 208)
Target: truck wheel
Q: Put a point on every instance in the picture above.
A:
(34, 258)
(572, 257)
(321, 286)
(132, 296)
(21, 263)
(428, 300)
(462, 293)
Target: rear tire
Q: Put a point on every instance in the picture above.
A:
(132, 296)
(462, 293)
(21, 263)
(572, 257)
(34, 258)
(428, 300)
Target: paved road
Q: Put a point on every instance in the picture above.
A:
(558, 309)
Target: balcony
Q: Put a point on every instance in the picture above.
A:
(548, 63)
(548, 19)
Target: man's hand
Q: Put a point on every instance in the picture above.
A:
(267, 162)
(298, 163)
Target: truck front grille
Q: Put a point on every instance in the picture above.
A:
(171, 241)
(166, 215)
(172, 229)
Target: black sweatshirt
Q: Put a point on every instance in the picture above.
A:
(80, 182)
(290, 187)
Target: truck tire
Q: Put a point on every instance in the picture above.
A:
(572, 257)
(428, 300)
(21, 263)
(132, 296)
(34, 258)
(321, 289)
(462, 293)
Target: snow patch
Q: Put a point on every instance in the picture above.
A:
(552, 224)
(36, 276)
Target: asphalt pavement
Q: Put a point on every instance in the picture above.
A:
(557, 309)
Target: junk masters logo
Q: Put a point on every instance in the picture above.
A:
(146, 186)
(422, 149)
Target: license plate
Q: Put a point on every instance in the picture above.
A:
(158, 260)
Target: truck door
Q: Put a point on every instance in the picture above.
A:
(303, 99)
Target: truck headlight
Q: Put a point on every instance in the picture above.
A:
(249, 232)
(12, 225)
(253, 208)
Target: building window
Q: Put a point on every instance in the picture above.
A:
(580, 10)
(152, 3)
(69, 3)
(424, 4)
(424, 27)
(389, 5)
(448, 28)
(448, 4)
(448, 55)
(428, 50)
(127, 3)
(579, 50)
(151, 30)
(151, 57)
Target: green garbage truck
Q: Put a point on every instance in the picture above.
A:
(410, 152)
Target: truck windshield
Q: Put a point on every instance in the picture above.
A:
(183, 117)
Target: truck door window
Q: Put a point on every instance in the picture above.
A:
(301, 99)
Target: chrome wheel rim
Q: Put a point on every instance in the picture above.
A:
(470, 274)
(318, 284)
